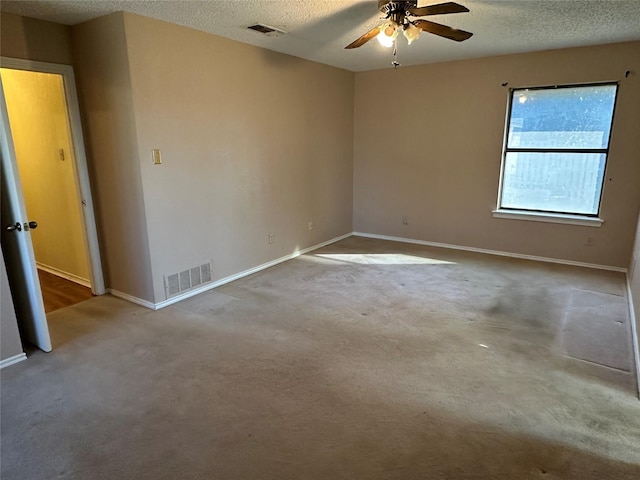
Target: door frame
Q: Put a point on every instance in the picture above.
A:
(81, 169)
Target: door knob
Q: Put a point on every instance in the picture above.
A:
(30, 226)
(17, 226)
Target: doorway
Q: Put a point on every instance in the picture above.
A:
(46, 164)
(45, 169)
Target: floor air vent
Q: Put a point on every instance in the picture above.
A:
(177, 283)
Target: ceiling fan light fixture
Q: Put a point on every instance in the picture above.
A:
(411, 32)
(397, 17)
(388, 34)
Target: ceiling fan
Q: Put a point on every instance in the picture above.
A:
(397, 13)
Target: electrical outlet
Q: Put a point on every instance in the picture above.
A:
(310, 226)
(405, 220)
(270, 238)
(588, 242)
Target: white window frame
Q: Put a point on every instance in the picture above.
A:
(545, 216)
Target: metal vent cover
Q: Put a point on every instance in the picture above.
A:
(172, 285)
(266, 29)
(176, 283)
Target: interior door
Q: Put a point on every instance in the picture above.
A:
(16, 244)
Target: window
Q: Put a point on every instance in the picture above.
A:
(556, 149)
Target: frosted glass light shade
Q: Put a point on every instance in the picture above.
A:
(388, 33)
(411, 33)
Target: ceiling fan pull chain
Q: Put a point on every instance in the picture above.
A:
(395, 62)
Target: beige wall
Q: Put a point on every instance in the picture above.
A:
(40, 130)
(634, 282)
(104, 91)
(31, 39)
(10, 344)
(252, 142)
(428, 143)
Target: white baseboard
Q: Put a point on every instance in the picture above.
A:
(491, 252)
(11, 360)
(67, 276)
(223, 281)
(132, 299)
(634, 333)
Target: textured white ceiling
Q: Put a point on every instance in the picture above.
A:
(320, 29)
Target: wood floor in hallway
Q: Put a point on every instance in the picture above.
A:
(58, 292)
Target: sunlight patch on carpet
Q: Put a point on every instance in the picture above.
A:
(382, 259)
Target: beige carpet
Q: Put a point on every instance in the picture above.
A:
(363, 360)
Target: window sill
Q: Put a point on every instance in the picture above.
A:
(549, 217)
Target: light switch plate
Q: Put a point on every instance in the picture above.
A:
(157, 159)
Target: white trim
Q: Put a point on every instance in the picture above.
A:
(12, 360)
(62, 274)
(492, 252)
(634, 332)
(224, 281)
(548, 217)
(132, 299)
(81, 169)
(34, 65)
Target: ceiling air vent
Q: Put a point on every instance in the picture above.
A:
(266, 29)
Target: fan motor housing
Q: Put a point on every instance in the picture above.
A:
(392, 6)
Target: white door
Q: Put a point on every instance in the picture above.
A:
(16, 243)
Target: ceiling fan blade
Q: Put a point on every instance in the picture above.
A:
(364, 38)
(442, 30)
(440, 9)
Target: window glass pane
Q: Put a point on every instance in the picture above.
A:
(568, 117)
(553, 182)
